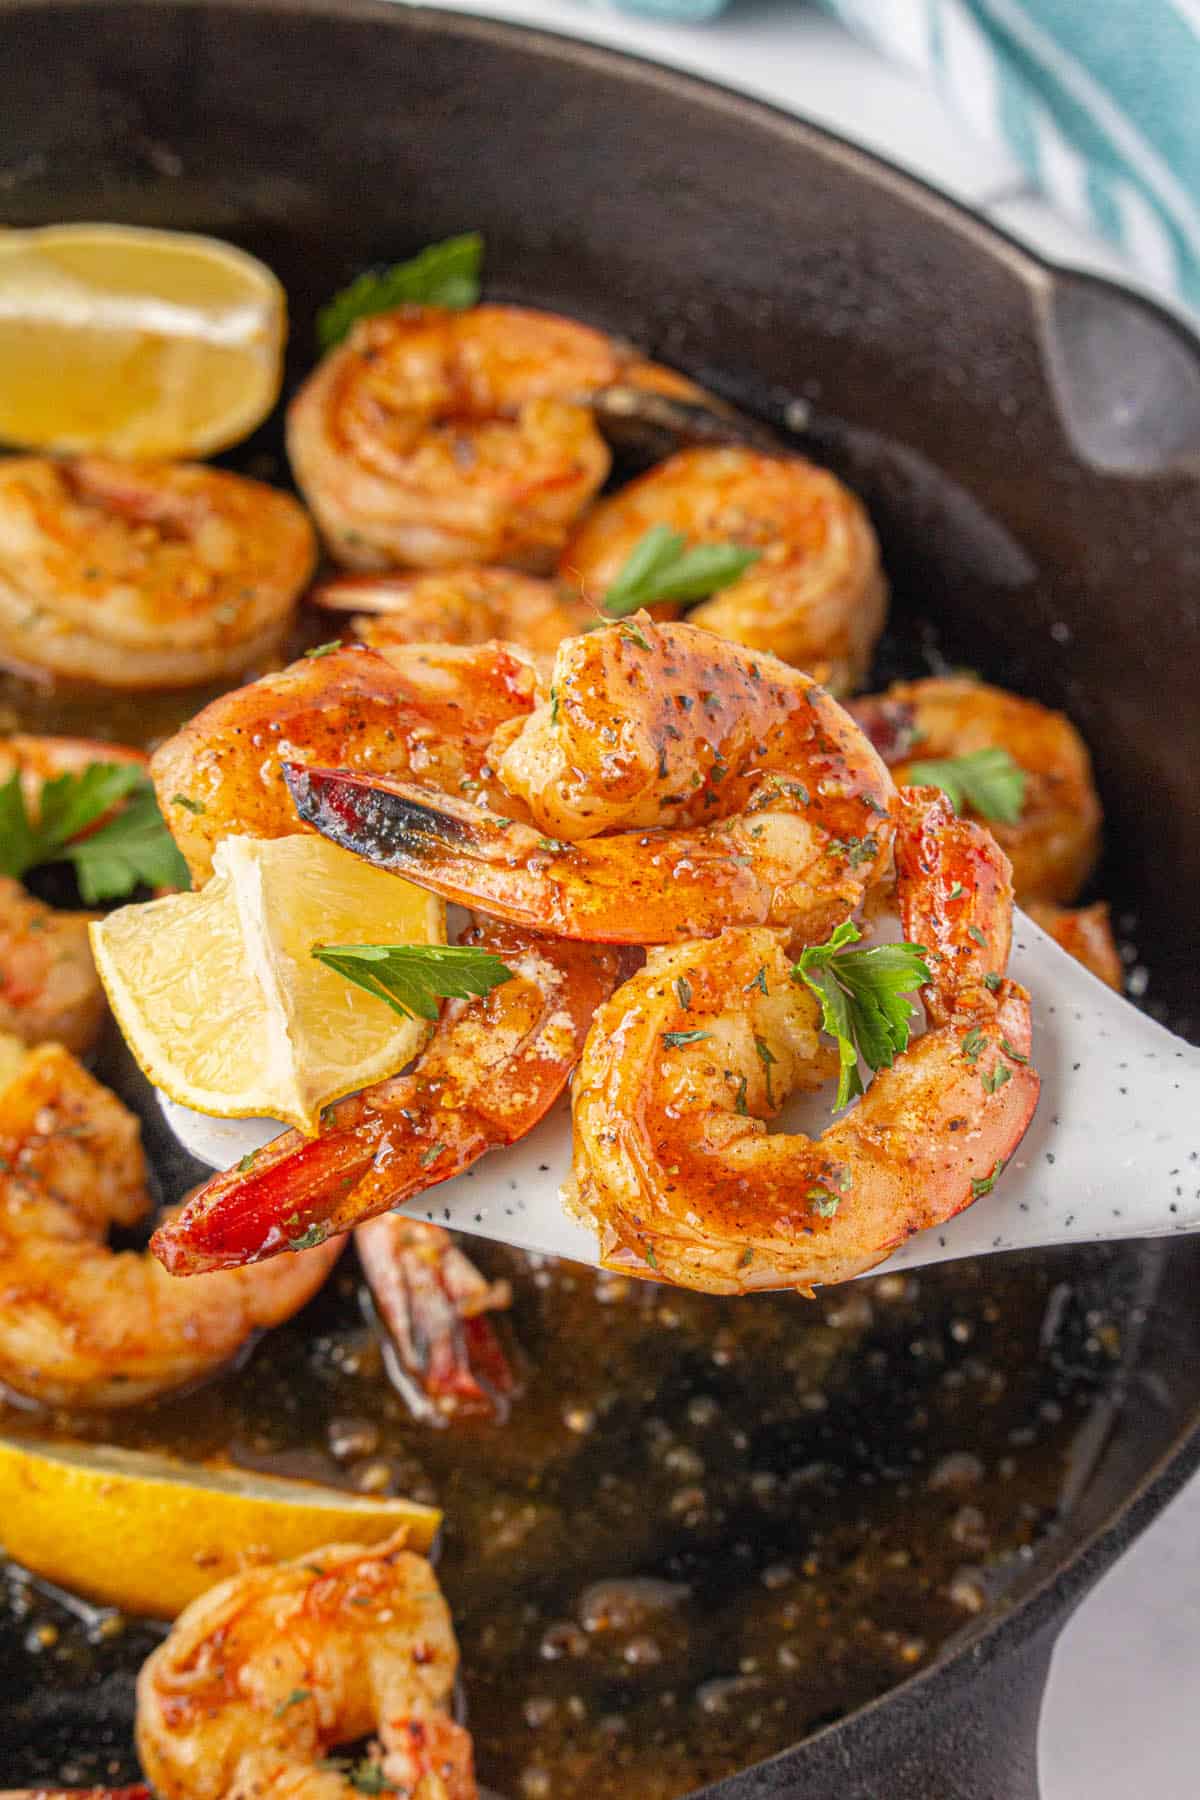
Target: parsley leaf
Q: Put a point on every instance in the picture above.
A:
(672, 1039)
(988, 781)
(864, 1000)
(131, 847)
(295, 1698)
(445, 274)
(412, 978)
(661, 567)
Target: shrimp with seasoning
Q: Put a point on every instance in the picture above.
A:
(673, 1163)
(433, 438)
(1054, 844)
(261, 1679)
(816, 596)
(49, 988)
(82, 1325)
(424, 713)
(459, 606)
(493, 1068)
(730, 789)
(139, 576)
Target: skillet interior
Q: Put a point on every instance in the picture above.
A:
(1022, 440)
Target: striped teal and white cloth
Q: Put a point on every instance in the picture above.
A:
(1098, 99)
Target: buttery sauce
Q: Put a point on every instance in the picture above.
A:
(707, 1527)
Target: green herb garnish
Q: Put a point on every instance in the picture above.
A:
(445, 274)
(683, 988)
(822, 1202)
(986, 1183)
(864, 1000)
(988, 781)
(672, 1039)
(412, 978)
(295, 1698)
(661, 567)
(131, 847)
(309, 1239)
(768, 1059)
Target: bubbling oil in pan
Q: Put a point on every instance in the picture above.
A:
(707, 1527)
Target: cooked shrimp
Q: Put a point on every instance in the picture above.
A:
(673, 1162)
(268, 1672)
(816, 596)
(84, 1326)
(492, 1070)
(151, 575)
(1054, 844)
(1084, 932)
(459, 606)
(734, 790)
(440, 1350)
(425, 713)
(49, 989)
(432, 438)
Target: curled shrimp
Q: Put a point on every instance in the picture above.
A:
(82, 1325)
(49, 989)
(1054, 844)
(270, 1671)
(431, 438)
(731, 789)
(491, 1071)
(816, 596)
(426, 713)
(1084, 932)
(459, 606)
(673, 1163)
(152, 575)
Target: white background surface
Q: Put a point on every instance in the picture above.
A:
(1121, 1719)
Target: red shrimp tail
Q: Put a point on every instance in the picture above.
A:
(443, 1353)
(283, 1197)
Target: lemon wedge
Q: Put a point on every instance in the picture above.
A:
(147, 1533)
(221, 1001)
(137, 343)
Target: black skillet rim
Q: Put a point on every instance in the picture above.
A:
(1015, 1623)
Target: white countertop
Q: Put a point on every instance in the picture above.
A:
(1116, 1723)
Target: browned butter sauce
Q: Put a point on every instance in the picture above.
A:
(707, 1528)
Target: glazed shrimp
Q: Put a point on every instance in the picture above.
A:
(267, 1673)
(424, 713)
(1084, 932)
(459, 606)
(1054, 844)
(732, 789)
(673, 1163)
(816, 597)
(81, 1325)
(49, 989)
(432, 438)
(153, 575)
(492, 1070)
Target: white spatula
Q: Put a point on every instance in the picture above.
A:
(1113, 1151)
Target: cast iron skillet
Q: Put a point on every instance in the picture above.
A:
(1028, 443)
